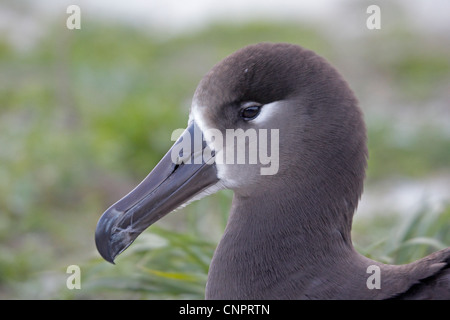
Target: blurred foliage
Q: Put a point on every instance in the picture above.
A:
(85, 115)
(413, 154)
(420, 73)
(402, 239)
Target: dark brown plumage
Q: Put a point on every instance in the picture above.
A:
(288, 234)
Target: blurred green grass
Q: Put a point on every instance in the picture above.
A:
(85, 115)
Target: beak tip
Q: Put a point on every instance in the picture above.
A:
(103, 237)
(110, 239)
(110, 260)
(103, 247)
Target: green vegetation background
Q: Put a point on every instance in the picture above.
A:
(86, 114)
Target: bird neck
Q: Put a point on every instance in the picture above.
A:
(298, 219)
(268, 239)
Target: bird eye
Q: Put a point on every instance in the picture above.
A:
(250, 112)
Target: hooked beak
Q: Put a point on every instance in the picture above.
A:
(181, 174)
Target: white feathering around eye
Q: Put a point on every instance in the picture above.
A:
(196, 116)
(207, 131)
(266, 113)
(227, 178)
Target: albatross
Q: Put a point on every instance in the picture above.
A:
(288, 234)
